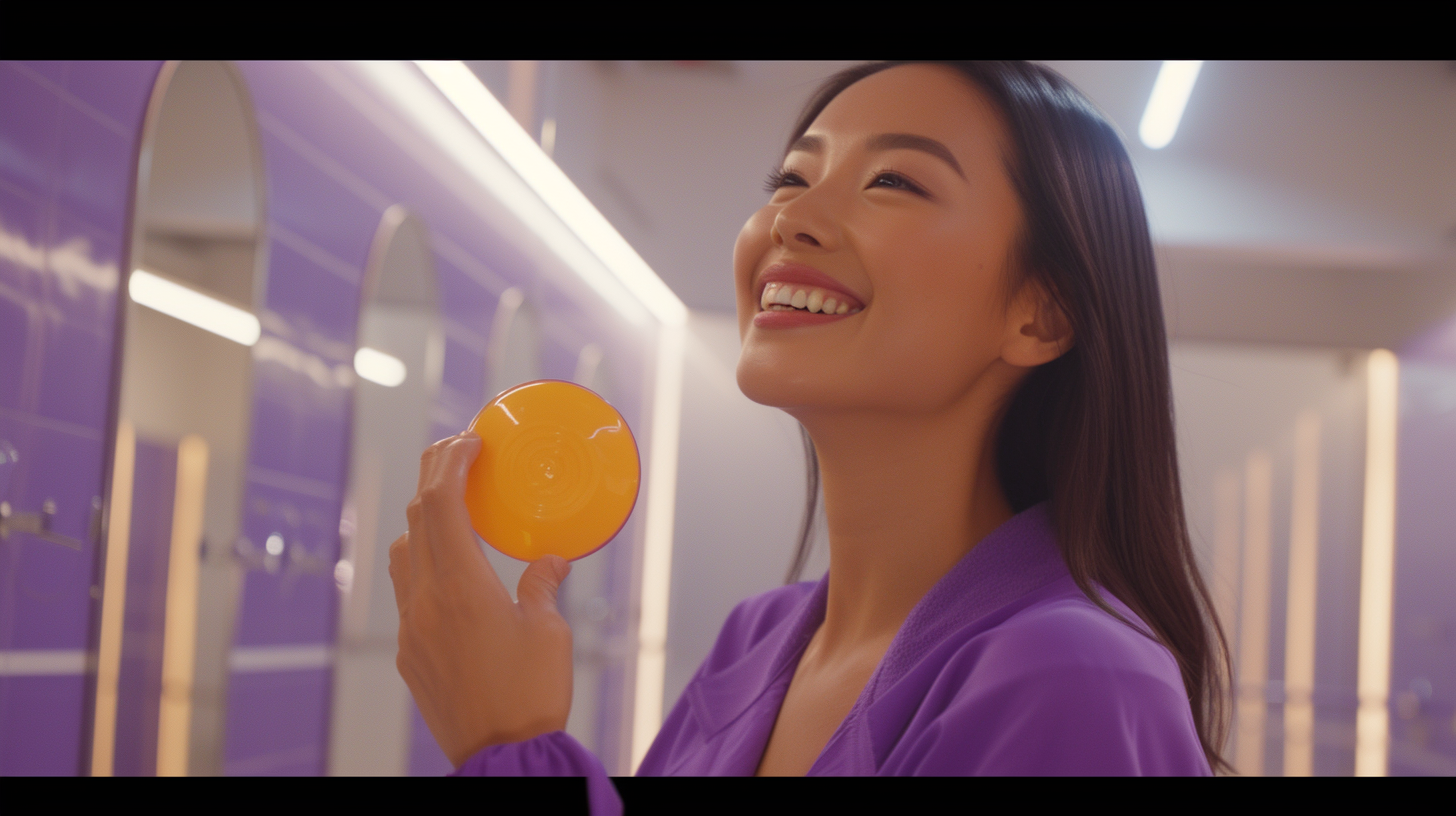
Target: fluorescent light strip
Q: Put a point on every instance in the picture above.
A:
(1167, 101)
(461, 143)
(1377, 567)
(506, 136)
(378, 367)
(191, 306)
(657, 544)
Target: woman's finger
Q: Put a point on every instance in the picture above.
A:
(452, 538)
(440, 527)
(421, 558)
(427, 460)
(399, 572)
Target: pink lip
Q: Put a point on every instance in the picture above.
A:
(792, 319)
(808, 276)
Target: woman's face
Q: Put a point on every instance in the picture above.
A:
(890, 227)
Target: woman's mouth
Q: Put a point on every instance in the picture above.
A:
(788, 297)
(795, 295)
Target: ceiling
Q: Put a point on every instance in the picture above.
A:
(1300, 202)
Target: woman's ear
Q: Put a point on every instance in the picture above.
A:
(1038, 331)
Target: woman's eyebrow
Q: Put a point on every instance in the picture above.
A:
(808, 144)
(888, 141)
(909, 141)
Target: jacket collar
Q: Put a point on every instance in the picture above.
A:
(719, 698)
(1016, 558)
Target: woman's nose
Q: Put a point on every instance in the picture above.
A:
(795, 225)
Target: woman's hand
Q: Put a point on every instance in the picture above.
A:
(482, 670)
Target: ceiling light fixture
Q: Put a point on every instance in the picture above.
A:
(378, 367)
(191, 306)
(1167, 101)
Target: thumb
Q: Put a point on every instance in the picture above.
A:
(537, 589)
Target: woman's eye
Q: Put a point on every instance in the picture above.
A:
(783, 178)
(895, 181)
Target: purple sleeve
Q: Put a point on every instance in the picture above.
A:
(553, 754)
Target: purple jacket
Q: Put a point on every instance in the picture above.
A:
(1003, 668)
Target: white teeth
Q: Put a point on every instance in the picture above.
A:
(814, 301)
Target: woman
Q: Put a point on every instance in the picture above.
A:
(952, 288)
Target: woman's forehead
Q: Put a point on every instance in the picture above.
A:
(929, 101)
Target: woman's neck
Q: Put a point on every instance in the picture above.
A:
(906, 497)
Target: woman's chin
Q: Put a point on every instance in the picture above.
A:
(777, 386)
(793, 387)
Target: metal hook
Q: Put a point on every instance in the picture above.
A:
(35, 524)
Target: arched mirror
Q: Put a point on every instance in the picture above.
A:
(513, 356)
(170, 586)
(398, 364)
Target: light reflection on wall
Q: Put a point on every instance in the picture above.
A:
(1377, 568)
(1299, 622)
(1252, 670)
(1272, 448)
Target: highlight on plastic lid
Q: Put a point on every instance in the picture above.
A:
(558, 473)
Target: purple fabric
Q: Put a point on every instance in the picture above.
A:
(554, 754)
(1003, 668)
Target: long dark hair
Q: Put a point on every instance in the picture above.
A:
(1091, 431)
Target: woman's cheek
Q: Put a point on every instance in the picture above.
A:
(931, 342)
(753, 242)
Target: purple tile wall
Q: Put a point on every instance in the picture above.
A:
(289, 602)
(68, 136)
(291, 709)
(43, 719)
(68, 142)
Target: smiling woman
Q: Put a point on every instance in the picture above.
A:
(952, 288)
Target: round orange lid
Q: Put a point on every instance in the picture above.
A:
(558, 473)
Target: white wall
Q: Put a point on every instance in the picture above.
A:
(1232, 400)
(740, 499)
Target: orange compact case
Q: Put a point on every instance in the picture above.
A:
(558, 473)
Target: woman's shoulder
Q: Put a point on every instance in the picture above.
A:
(1063, 631)
(1058, 686)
